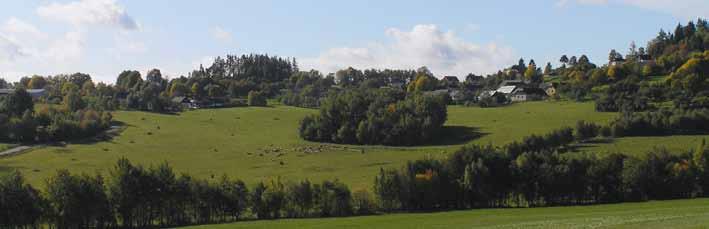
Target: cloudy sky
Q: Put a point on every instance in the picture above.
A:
(104, 37)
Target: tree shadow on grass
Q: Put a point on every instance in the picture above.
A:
(455, 135)
(590, 144)
(117, 127)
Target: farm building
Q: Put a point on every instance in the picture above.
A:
(522, 94)
(35, 93)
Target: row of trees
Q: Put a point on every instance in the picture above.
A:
(485, 176)
(376, 116)
(135, 197)
(661, 122)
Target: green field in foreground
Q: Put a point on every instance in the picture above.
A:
(256, 144)
(656, 214)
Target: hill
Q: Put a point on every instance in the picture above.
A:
(250, 143)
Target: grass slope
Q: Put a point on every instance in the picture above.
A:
(256, 144)
(656, 214)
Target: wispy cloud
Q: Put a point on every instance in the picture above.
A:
(221, 34)
(424, 45)
(52, 51)
(89, 12)
(685, 9)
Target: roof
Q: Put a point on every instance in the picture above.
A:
(511, 83)
(178, 99)
(31, 91)
(546, 85)
(506, 89)
(530, 91)
(437, 92)
(451, 78)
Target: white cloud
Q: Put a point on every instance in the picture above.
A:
(205, 61)
(221, 34)
(685, 9)
(24, 47)
(425, 45)
(89, 12)
(16, 27)
(67, 49)
(9, 51)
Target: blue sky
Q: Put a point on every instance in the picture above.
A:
(104, 37)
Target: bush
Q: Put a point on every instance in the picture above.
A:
(257, 99)
(375, 117)
(586, 130)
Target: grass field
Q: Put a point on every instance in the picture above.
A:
(251, 143)
(256, 144)
(655, 214)
(640, 145)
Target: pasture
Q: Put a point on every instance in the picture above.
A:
(692, 213)
(261, 143)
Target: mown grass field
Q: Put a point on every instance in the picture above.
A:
(257, 144)
(656, 214)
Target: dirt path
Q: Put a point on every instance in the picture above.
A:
(111, 132)
(15, 150)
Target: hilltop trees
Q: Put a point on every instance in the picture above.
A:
(305, 89)
(693, 76)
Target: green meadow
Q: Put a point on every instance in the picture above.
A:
(654, 214)
(261, 143)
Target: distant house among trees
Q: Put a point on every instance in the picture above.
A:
(522, 94)
(35, 93)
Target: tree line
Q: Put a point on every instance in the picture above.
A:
(135, 197)
(533, 173)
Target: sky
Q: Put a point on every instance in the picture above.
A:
(105, 37)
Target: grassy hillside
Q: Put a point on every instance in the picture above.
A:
(656, 214)
(256, 144)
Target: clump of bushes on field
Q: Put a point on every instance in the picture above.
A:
(257, 99)
(376, 116)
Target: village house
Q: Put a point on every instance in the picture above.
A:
(522, 94)
(35, 93)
